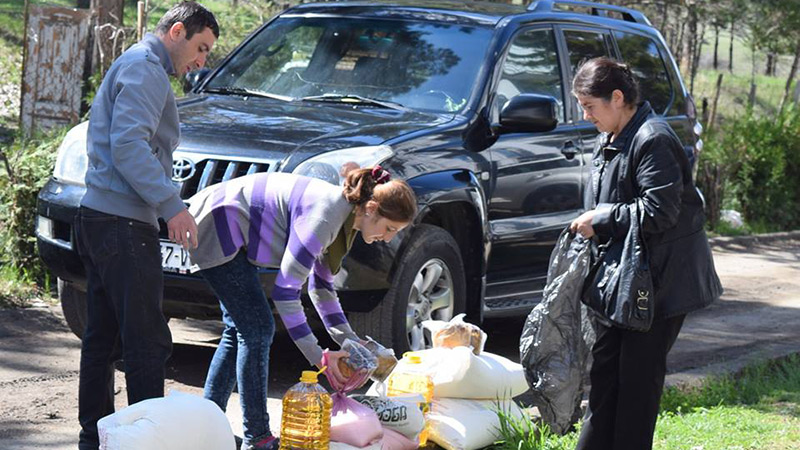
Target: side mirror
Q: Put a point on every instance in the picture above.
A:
(192, 79)
(528, 113)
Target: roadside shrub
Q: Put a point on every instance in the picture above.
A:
(28, 165)
(751, 165)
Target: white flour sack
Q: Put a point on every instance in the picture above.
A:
(401, 414)
(458, 373)
(176, 422)
(460, 424)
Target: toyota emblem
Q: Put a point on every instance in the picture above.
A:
(182, 169)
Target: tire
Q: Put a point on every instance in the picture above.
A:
(430, 267)
(73, 304)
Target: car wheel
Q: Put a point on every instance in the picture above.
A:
(73, 304)
(429, 283)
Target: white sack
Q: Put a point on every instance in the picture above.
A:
(459, 424)
(176, 422)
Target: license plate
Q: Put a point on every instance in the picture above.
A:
(174, 258)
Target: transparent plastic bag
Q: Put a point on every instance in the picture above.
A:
(385, 357)
(457, 333)
(360, 363)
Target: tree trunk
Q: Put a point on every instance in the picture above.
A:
(790, 79)
(796, 95)
(730, 48)
(751, 99)
(770, 61)
(716, 45)
(680, 45)
(713, 116)
(108, 11)
(696, 53)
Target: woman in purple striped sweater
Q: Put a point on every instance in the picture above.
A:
(304, 227)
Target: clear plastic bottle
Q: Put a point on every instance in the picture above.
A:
(410, 378)
(306, 418)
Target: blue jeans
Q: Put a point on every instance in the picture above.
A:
(243, 353)
(122, 258)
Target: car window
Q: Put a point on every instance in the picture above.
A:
(642, 54)
(531, 67)
(583, 46)
(421, 65)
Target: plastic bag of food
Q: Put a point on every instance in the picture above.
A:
(357, 367)
(353, 423)
(385, 357)
(457, 333)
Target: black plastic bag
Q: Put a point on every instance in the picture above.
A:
(557, 338)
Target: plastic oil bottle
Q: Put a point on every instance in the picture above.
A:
(410, 378)
(306, 418)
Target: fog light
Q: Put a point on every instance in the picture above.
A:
(44, 227)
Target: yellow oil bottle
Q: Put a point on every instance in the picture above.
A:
(410, 378)
(306, 418)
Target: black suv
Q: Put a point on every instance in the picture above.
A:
(467, 101)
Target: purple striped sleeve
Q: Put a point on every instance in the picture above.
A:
(293, 320)
(328, 307)
(332, 320)
(302, 254)
(282, 294)
(320, 283)
(299, 332)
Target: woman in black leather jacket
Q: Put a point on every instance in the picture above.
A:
(639, 158)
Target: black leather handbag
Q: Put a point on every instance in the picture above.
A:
(619, 286)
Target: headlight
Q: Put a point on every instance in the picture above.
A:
(329, 166)
(72, 161)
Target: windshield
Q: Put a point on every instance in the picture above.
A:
(418, 65)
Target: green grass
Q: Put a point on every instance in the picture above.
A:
(15, 291)
(758, 408)
(735, 92)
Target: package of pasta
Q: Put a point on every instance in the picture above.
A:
(457, 333)
(385, 357)
(361, 360)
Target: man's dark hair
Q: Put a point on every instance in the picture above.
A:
(599, 77)
(194, 16)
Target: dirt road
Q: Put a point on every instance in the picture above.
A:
(756, 318)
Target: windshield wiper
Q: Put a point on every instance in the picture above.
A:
(245, 91)
(352, 98)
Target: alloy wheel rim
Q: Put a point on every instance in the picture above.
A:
(431, 297)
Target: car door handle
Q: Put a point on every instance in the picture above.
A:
(569, 150)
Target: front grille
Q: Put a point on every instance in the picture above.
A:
(212, 171)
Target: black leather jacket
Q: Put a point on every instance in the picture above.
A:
(647, 161)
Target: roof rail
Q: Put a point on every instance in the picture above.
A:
(597, 9)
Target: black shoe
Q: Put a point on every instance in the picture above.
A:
(271, 443)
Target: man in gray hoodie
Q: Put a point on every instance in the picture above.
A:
(133, 131)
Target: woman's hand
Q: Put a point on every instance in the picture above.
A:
(333, 371)
(583, 224)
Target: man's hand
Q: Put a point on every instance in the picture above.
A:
(183, 230)
(583, 224)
